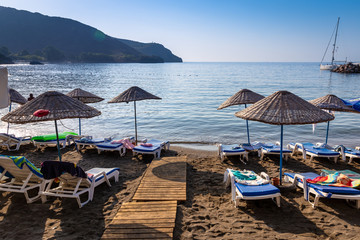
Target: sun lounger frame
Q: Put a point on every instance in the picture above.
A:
(244, 155)
(299, 147)
(74, 187)
(24, 180)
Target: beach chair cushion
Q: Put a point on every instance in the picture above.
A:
(109, 145)
(257, 190)
(96, 171)
(51, 137)
(324, 188)
(274, 148)
(152, 148)
(233, 148)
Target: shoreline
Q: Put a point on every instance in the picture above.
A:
(208, 212)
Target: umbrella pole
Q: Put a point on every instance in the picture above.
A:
(281, 153)
(57, 140)
(247, 127)
(7, 132)
(327, 132)
(135, 123)
(80, 126)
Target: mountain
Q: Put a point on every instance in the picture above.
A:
(24, 33)
(153, 49)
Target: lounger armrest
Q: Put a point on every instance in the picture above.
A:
(105, 177)
(265, 176)
(302, 147)
(277, 143)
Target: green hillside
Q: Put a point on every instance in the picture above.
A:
(35, 36)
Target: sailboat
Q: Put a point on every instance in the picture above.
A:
(332, 65)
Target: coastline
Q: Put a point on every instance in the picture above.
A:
(208, 212)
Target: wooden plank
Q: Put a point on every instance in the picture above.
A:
(119, 224)
(139, 230)
(138, 236)
(142, 221)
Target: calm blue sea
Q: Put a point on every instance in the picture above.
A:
(191, 93)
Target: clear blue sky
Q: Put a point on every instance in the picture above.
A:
(220, 30)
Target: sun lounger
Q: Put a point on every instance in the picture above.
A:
(13, 143)
(269, 148)
(74, 182)
(347, 152)
(21, 177)
(109, 146)
(88, 141)
(165, 145)
(232, 150)
(148, 148)
(321, 191)
(313, 151)
(253, 189)
(50, 139)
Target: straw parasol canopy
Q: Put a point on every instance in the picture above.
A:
(16, 97)
(59, 105)
(332, 103)
(84, 96)
(133, 94)
(284, 108)
(244, 96)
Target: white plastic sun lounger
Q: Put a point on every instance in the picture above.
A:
(232, 150)
(13, 143)
(272, 149)
(72, 186)
(251, 192)
(321, 191)
(348, 152)
(22, 177)
(313, 151)
(108, 146)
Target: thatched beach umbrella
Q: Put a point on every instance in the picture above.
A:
(59, 106)
(15, 97)
(243, 96)
(133, 94)
(284, 108)
(332, 103)
(85, 97)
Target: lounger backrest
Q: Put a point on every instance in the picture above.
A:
(7, 138)
(72, 181)
(16, 172)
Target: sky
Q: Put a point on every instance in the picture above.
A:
(220, 30)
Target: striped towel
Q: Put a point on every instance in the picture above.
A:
(19, 161)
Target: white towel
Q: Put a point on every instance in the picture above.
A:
(4, 89)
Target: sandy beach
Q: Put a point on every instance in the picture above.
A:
(208, 212)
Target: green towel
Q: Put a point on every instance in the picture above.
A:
(244, 175)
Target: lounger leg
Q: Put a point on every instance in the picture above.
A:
(311, 158)
(350, 160)
(277, 200)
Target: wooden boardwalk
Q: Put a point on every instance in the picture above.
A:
(152, 213)
(143, 220)
(164, 180)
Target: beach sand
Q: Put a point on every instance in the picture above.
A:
(208, 212)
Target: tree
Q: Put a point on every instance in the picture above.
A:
(5, 51)
(53, 55)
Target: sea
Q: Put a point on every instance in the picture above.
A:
(190, 95)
